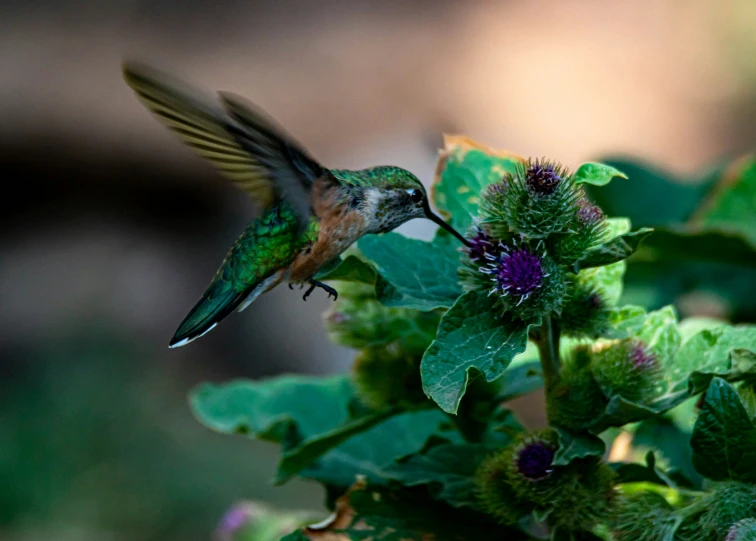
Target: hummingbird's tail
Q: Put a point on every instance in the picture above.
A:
(218, 301)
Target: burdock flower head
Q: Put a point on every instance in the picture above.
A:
(534, 461)
(482, 246)
(524, 278)
(543, 178)
(627, 368)
(517, 272)
(507, 480)
(538, 199)
(743, 530)
(585, 313)
(587, 229)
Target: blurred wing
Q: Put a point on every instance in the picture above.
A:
(291, 170)
(253, 155)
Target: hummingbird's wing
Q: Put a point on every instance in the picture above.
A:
(247, 148)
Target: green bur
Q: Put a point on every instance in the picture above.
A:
(521, 479)
(626, 368)
(743, 530)
(573, 402)
(585, 313)
(730, 502)
(642, 516)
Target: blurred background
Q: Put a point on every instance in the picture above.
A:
(111, 229)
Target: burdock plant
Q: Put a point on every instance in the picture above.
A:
(418, 441)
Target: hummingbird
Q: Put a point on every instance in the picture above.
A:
(309, 214)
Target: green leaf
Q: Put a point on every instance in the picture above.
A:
(615, 250)
(723, 351)
(313, 420)
(416, 274)
(652, 197)
(446, 468)
(295, 460)
(470, 337)
(349, 269)
(370, 453)
(574, 445)
(617, 226)
(274, 409)
(520, 380)
(607, 280)
(687, 244)
(731, 206)
(626, 321)
(644, 473)
(373, 514)
(659, 333)
(672, 442)
(598, 174)
(465, 170)
(620, 412)
(724, 438)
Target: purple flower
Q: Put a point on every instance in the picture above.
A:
(497, 188)
(587, 213)
(542, 178)
(481, 246)
(235, 518)
(534, 460)
(641, 358)
(517, 271)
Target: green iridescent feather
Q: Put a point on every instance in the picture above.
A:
(268, 244)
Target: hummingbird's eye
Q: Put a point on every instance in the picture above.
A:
(415, 195)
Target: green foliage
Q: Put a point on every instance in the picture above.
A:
(446, 334)
(723, 424)
(729, 503)
(598, 174)
(704, 241)
(471, 338)
(643, 516)
(414, 274)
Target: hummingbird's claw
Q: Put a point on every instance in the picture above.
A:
(328, 289)
(291, 286)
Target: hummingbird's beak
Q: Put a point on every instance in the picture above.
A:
(440, 221)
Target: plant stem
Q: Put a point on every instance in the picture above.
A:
(548, 351)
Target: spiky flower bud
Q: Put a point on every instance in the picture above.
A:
(387, 376)
(586, 496)
(496, 496)
(587, 229)
(576, 401)
(522, 477)
(743, 530)
(642, 516)
(542, 178)
(539, 198)
(626, 368)
(482, 245)
(585, 313)
(524, 278)
(730, 502)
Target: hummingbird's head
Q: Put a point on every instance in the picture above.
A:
(396, 196)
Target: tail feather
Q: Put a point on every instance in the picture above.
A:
(219, 300)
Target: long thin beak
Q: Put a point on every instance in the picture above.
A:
(437, 219)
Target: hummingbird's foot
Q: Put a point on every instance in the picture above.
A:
(291, 286)
(328, 289)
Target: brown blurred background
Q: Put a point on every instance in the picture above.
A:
(111, 228)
